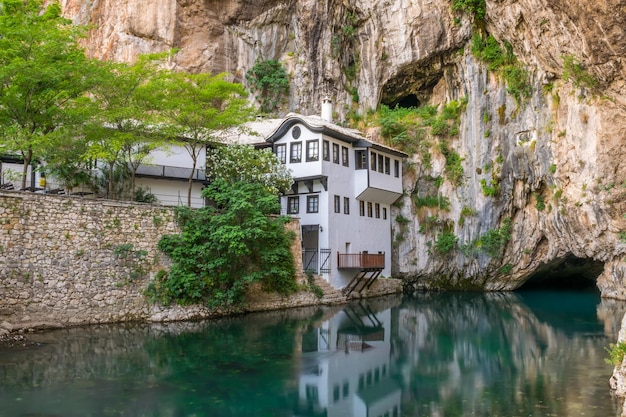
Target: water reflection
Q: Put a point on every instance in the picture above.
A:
(346, 366)
(528, 354)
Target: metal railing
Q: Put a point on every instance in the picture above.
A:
(361, 260)
(165, 171)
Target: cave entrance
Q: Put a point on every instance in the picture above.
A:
(569, 273)
(404, 102)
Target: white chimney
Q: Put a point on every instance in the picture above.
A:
(327, 109)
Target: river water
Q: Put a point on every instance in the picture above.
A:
(447, 354)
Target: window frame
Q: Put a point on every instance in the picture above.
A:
(346, 205)
(345, 156)
(325, 150)
(377, 210)
(335, 153)
(290, 200)
(396, 168)
(298, 146)
(387, 165)
(360, 159)
(361, 208)
(283, 147)
(312, 203)
(312, 152)
(369, 209)
(373, 166)
(337, 203)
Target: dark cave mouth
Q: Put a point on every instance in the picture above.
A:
(569, 273)
(405, 102)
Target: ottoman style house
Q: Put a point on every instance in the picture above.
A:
(344, 187)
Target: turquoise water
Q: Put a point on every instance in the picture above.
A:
(448, 354)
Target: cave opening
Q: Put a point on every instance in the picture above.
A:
(568, 273)
(404, 102)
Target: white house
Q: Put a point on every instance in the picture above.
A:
(165, 174)
(344, 187)
(347, 366)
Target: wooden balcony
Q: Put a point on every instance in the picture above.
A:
(361, 260)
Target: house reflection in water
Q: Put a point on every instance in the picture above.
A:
(346, 367)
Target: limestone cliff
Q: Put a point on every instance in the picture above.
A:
(558, 157)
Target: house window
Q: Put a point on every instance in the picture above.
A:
(373, 164)
(281, 153)
(335, 153)
(346, 205)
(381, 163)
(312, 150)
(296, 152)
(396, 168)
(312, 204)
(344, 156)
(387, 165)
(361, 208)
(369, 209)
(293, 205)
(377, 210)
(384, 213)
(360, 159)
(337, 204)
(326, 150)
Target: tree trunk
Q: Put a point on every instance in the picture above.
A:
(111, 164)
(27, 157)
(194, 157)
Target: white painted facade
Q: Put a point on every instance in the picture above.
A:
(348, 373)
(164, 173)
(341, 195)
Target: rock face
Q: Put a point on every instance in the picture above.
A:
(557, 156)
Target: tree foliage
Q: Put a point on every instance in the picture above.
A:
(121, 118)
(271, 83)
(42, 70)
(226, 247)
(235, 163)
(477, 8)
(197, 109)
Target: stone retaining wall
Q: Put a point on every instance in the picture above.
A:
(73, 260)
(69, 261)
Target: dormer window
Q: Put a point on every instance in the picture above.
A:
(296, 152)
(281, 153)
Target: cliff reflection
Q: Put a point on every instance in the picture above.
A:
(458, 354)
(528, 354)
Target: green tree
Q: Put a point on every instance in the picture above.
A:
(271, 83)
(121, 128)
(234, 163)
(225, 247)
(42, 72)
(198, 109)
(64, 157)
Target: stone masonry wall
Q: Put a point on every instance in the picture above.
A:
(69, 261)
(74, 260)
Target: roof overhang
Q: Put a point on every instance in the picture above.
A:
(324, 129)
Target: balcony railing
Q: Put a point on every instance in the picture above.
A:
(165, 171)
(360, 260)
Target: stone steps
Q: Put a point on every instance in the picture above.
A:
(331, 294)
